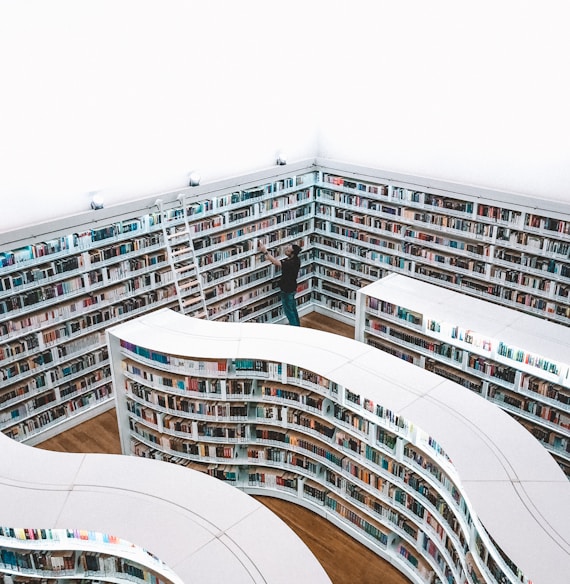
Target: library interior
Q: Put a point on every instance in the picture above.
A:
(159, 419)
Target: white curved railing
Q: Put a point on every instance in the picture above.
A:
(195, 528)
(509, 497)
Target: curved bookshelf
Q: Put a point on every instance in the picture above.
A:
(441, 483)
(112, 518)
(517, 361)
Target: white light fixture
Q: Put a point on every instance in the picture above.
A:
(194, 179)
(281, 159)
(97, 202)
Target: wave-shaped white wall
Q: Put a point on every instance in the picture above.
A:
(510, 482)
(202, 529)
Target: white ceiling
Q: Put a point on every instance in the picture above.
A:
(127, 97)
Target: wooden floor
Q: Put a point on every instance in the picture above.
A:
(345, 560)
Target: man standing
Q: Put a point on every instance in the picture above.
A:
(289, 266)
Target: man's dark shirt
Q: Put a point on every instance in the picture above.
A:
(289, 272)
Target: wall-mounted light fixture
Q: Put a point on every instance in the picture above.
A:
(281, 159)
(194, 179)
(97, 201)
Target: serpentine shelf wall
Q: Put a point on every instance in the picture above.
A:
(432, 477)
(115, 518)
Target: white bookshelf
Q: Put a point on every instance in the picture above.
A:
(434, 479)
(60, 290)
(124, 519)
(503, 247)
(519, 362)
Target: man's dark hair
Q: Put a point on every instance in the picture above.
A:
(296, 249)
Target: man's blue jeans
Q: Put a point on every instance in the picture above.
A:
(290, 308)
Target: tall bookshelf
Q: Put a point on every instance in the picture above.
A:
(108, 518)
(238, 283)
(194, 252)
(514, 360)
(505, 248)
(57, 297)
(62, 283)
(439, 482)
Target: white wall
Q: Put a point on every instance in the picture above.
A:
(126, 97)
(473, 92)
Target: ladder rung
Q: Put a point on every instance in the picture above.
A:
(178, 233)
(187, 285)
(191, 301)
(200, 314)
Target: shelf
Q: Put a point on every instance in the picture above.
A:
(123, 518)
(392, 454)
(497, 352)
